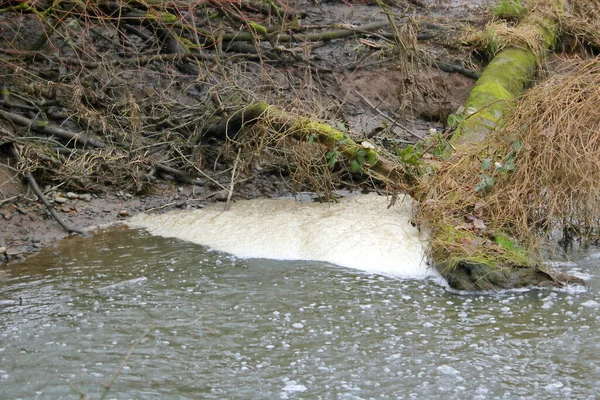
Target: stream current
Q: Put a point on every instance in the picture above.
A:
(223, 327)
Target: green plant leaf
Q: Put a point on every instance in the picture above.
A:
(360, 157)
(486, 163)
(332, 156)
(485, 183)
(371, 158)
(516, 145)
(509, 166)
(355, 166)
(454, 119)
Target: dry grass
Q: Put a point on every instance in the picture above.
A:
(544, 164)
(499, 35)
(582, 21)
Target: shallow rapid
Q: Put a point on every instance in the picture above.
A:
(280, 329)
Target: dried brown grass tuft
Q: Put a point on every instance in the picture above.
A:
(543, 161)
(582, 21)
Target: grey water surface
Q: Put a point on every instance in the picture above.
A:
(218, 327)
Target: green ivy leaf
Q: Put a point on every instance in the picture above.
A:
(485, 183)
(486, 163)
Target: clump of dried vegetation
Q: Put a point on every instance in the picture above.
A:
(104, 94)
(536, 175)
(582, 22)
(99, 95)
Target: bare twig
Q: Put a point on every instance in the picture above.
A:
(42, 197)
(394, 121)
(135, 344)
(233, 176)
(44, 127)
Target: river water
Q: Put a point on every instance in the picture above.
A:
(211, 325)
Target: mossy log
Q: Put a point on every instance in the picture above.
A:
(492, 266)
(361, 156)
(506, 77)
(501, 82)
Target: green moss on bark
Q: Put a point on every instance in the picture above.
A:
(503, 80)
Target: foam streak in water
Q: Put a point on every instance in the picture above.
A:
(358, 232)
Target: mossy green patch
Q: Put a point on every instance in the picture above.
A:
(472, 262)
(510, 9)
(452, 246)
(162, 16)
(258, 28)
(502, 81)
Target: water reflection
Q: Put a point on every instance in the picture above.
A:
(271, 329)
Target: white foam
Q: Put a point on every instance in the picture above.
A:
(358, 232)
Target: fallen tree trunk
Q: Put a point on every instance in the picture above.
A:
(471, 252)
(508, 74)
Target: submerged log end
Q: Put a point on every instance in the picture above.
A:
(471, 276)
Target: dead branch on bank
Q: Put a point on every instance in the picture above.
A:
(34, 186)
(361, 156)
(133, 84)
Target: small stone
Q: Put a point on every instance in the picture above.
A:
(85, 197)
(60, 199)
(66, 209)
(2, 250)
(106, 210)
(23, 231)
(123, 213)
(72, 196)
(7, 215)
(222, 195)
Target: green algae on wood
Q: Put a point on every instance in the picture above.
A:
(475, 261)
(500, 84)
(519, 53)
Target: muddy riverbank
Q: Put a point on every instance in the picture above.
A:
(357, 83)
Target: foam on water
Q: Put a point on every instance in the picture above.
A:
(357, 232)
